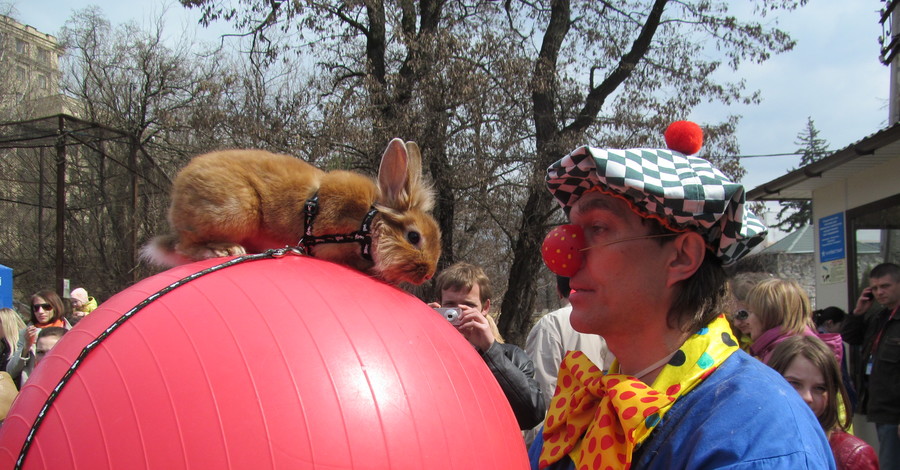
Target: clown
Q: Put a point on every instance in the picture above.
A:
(650, 232)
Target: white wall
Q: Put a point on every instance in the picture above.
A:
(865, 187)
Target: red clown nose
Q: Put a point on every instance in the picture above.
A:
(562, 250)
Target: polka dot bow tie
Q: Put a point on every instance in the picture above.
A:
(598, 419)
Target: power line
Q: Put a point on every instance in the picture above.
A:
(795, 154)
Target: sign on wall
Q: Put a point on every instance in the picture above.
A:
(831, 238)
(832, 252)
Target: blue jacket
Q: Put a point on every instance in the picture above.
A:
(743, 416)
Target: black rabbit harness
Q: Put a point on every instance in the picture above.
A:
(363, 236)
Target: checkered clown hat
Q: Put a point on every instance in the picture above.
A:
(683, 192)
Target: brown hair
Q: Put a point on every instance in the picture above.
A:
(822, 357)
(462, 276)
(781, 303)
(701, 297)
(51, 331)
(886, 269)
(53, 299)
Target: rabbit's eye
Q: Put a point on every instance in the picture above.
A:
(413, 237)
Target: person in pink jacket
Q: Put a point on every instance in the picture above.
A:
(779, 309)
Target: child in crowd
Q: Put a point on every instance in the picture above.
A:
(829, 321)
(82, 304)
(809, 365)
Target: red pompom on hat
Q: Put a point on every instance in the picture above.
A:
(685, 137)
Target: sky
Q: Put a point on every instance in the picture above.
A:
(832, 75)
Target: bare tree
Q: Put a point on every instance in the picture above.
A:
(645, 61)
(132, 81)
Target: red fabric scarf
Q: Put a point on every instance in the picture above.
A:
(60, 323)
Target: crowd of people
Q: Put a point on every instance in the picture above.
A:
(781, 330)
(786, 334)
(25, 341)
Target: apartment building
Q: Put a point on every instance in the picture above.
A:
(29, 73)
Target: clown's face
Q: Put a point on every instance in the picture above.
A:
(621, 286)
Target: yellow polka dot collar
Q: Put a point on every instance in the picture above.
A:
(598, 419)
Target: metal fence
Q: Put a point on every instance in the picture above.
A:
(76, 198)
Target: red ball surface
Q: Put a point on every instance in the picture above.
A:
(561, 250)
(288, 363)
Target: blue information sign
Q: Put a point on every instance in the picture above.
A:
(831, 238)
(6, 285)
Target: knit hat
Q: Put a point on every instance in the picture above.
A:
(79, 294)
(681, 191)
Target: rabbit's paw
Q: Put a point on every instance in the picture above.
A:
(214, 250)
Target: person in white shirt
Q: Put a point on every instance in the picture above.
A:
(549, 340)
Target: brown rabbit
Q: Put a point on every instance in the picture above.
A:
(234, 202)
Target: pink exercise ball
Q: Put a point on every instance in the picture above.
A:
(286, 362)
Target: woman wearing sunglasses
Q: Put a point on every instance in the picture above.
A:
(46, 310)
(740, 286)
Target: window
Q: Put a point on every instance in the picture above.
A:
(21, 47)
(44, 56)
(42, 82)
(875, 232)
(20, 74)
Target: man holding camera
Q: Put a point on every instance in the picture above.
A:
(467, 287)
(879, 373)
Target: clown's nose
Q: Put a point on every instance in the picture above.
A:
(562, 250)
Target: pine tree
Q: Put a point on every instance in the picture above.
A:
(796, 214)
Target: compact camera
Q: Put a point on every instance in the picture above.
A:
(452, 314)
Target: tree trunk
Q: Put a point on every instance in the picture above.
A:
(445, 200)
(518, 303)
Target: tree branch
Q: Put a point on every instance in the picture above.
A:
(597, 96)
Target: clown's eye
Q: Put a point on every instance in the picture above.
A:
(594, 229)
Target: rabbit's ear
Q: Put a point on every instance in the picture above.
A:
(393, 172)
(413, 166)
(419, 193)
